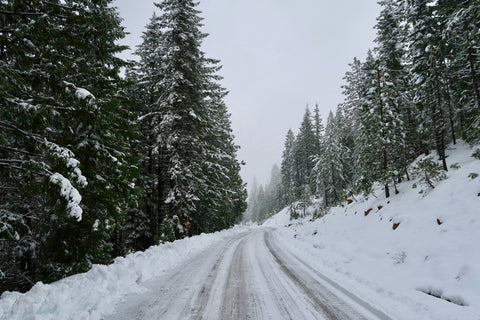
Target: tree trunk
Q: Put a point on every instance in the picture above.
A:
(438, 120)
(395, 185)
(450, 114)
(335, 197)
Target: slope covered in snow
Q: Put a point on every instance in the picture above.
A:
(415, 255)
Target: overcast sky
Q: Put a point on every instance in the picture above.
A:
(277, 56)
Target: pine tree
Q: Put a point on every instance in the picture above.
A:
(318, 129)
(305, 149)
(223, 201)
(66, 129)
(273, 191)
(393, 82)
(460, 20)
(192, 178)
(352, 129)
(427, 66)
(288, 168)
(329, 166)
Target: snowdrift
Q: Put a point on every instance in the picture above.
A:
(415, 255)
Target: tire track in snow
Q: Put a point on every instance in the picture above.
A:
(182, 293)
(235, 300)
(333, 306)
(246, 277)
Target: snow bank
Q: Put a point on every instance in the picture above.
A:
(93, 294)
(428, 267)
(280, 219)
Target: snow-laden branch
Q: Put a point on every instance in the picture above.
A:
(68, 156)
(70, 194)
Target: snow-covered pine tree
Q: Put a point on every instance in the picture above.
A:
(427, 67)
(288, 168)
(274, 192)
(329, 166)
(145, 229)
(305, 150)
(101, 134)
(461, 22)
(62, 115)
(192, 175)
(252, 208)
(38, 177)
(318, 129)
(382, 124)
(397, 107)
(222, 201)
(176, 118)
(352, 129)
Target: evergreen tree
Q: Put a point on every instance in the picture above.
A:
(460, 20)
(273, 191)
(62, 128)
(288, 168)
(397, 113)
(329, 166)
(192, 178)
(427, 66)
(318, 129)
(252, 208)
(305, 149)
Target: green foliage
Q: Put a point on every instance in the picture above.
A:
(473, 175)
(294, 212)
(476, 154)
(428, 171)
(191, 176)
(455, 166)
(65, 130)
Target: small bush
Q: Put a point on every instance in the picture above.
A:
(473, 175)
(428, 172)
(455, 166)
(476, 154)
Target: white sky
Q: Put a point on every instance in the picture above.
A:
(277, 56)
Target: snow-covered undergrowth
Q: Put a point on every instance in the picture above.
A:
(94, 293)
(428, 267)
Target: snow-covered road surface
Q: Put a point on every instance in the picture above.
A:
(247, 276)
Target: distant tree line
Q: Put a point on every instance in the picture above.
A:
(263, 201)
(94, 165)
(417, 90)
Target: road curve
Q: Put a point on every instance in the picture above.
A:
(248, 276)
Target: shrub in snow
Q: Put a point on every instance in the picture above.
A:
(476, 154)
(473, 175)
(455, 166)
(428, 172)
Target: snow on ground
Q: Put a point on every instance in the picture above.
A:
(427, 268)
(94, 293)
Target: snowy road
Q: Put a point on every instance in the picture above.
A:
(248, 276)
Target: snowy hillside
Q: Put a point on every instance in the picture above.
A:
(415, 255)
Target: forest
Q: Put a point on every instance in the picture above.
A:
(99, 156)
(417, 91)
